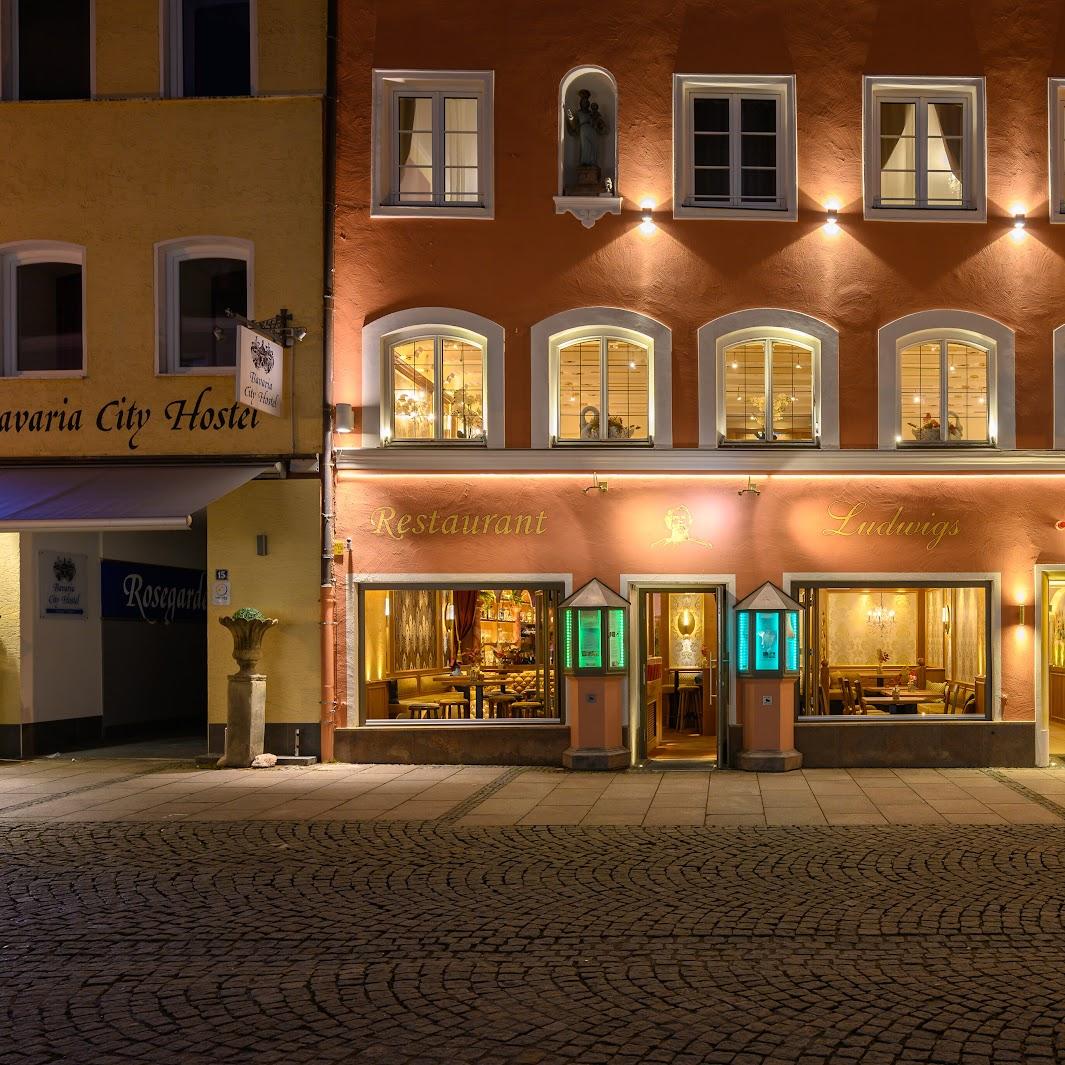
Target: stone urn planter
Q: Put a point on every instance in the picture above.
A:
(246, 697)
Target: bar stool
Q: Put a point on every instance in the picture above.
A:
(500, 699)
(424, 710)
(690, 706)
(453, 699)
(526, 708)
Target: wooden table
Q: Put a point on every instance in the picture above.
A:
(464, 683)
(920, 694)
(907, 704)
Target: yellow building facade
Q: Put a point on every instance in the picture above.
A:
(148, 185)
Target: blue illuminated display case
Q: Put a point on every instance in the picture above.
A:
(767, 634)
(594, 631)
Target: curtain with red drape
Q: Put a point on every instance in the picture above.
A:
(465, 619)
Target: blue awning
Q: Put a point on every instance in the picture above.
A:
(89, 498)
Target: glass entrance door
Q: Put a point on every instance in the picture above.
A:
(683, 676)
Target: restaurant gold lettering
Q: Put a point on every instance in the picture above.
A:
(849, 521)
(385, 521)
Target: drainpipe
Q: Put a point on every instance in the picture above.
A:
(328, 597)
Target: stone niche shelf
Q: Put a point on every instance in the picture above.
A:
(588, 209)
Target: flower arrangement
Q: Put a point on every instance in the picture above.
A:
(930, 427)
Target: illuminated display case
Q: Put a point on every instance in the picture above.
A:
(594, 631)
(767, 634)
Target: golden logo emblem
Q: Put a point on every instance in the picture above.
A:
(679, 520)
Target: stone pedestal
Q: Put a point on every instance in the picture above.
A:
(245, 720)
(589, 182)
(767, 710)
(594, 708)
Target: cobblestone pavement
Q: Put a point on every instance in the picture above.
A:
(416, 941)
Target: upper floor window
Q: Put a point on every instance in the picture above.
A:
(768, 376)
(210, 47)
(604, 389)
(199, 280)
(432, 144)
(944, 387)
(925, 148)
(946, 377)
(734, 151)
(42, 305)
(48, 49)
(769, 391)
(1056, 114)
(437, 389)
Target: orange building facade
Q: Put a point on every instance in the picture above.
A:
(688, 300)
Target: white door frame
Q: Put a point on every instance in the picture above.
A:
(631, 585)
(1041, 665)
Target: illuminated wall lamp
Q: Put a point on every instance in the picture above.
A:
(343, 418)
(686, 623)
(1022, 612)
(1019, 220)
(832, 220)
(946, 620)
(647, 216)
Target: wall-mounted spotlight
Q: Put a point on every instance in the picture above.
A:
(343, 418)
(1020, 222)
(596, 485)
(647, 216)
(832, 220)
(751, 489)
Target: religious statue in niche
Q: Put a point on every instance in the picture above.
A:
(587, 125)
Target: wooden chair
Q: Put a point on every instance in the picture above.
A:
(527, 708)
(850, 707)
(859, 698)
(498, 701)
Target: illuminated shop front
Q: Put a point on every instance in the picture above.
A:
(919, 640)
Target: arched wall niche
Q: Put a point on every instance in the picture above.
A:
(584, 193)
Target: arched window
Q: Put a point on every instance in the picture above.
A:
(606, 379)
(946, 379)
(42, 308)
(199, 279)
(944, 390)
(604, 373)
(432, 375)
(437, 388)
(769, 391)
(768, 376)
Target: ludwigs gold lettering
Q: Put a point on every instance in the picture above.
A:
(850, 520)
(385, 521)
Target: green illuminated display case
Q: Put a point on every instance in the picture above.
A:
(767, 634)
(594, 623)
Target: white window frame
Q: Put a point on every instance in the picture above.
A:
(966, 327)
(1056, 148)
(768, 323)
(168, 255)
(171, 50)
(922, 92)
(603, 337)
(438, 336)
(380, 335)
(388, 86)
(548, 335)
(12, 256)
(686, 88)
(9, 52)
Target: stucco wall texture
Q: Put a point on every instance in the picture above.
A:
(283, 584)
(10, 651)
(529, 263)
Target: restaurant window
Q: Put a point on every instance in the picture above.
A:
(768, 392)
(42, 303)
(199, 280)
(604, 390)
(210, 47)
(439, 654)
(432, 144)
(944, 392)
(437, 389)
(895, 651)
(735, 147)
(925, 149)
(47, 49)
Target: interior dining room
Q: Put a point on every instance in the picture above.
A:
(895, 651)
(681, 633)
(459, 654)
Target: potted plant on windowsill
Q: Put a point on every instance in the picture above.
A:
(246, 694)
